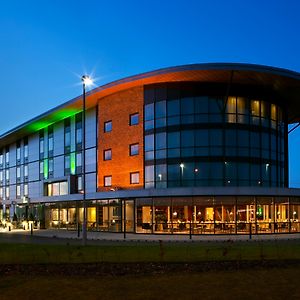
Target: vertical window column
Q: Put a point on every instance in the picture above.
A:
(25, 150)
(18, 153)
(67, 146)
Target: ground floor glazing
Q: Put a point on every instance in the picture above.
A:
(166, 215)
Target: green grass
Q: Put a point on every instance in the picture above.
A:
(149, 252)
(243, 284)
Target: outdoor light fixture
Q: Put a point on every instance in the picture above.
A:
(181, 165)
(86, 81)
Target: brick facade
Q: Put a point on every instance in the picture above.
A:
(118, 107)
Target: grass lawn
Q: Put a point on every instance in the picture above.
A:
(270, 283)
(149, 252)
(243, 284)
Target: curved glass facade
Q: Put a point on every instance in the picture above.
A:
(197, 136)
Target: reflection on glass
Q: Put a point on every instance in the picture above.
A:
(231, 109)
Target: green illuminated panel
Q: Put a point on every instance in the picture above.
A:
(46, 168)
(73, 163)
(57, 116)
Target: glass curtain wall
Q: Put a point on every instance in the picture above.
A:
(175, 215)
(193, 139)
(217, 215)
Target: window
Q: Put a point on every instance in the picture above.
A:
(149, 116)
(7, 156)
(1, 192)
(1, 159)
(149, 112)
(50, 166)
(78, 131)
(79, 184)
(25, 149)
(63, 188)
(134, 119)
(26, 171)
(25, 190)
(108, 126)
(149, 176)
(7, 175)
(78, 160)
(7, 192)
(67, 135)
(1, 176)
(107, 180)
(134, 149)
(173, 108)
(41, 169)
(18, 173)
(57, 188)
(41, 144)
(135, 178)
(231, 109)
(50, 141)
(18, 190)
(18, 152)
(107, 154)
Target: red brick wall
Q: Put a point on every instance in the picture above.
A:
(118, 107)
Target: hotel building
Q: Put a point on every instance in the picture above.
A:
(200, 149)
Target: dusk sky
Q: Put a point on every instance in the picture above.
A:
(47, 45)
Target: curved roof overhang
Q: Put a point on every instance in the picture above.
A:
(283, 82)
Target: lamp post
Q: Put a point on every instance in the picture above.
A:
(86, 80)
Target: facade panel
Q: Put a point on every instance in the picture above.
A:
(59, 166)
(33, 171)
(58, 139)
(33, 147)
(91, 128)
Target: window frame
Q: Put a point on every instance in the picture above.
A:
(104, 180)
(130, 149)
(105, 124)
(131, 177)
(107, 151)
(131, 116)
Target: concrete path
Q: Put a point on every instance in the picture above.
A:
(63, 236)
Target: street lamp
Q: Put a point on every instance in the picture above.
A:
(86, 81)
(181, 172)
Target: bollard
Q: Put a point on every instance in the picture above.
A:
(190, 230)
(78, 230)
(31, 229)
(9, 228)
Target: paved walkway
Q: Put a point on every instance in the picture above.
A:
(109, 236)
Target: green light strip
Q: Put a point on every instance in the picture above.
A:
(46, 168)
(73, 163)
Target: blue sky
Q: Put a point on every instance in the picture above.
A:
(47, 45)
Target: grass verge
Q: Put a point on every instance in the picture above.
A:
(149, 252)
